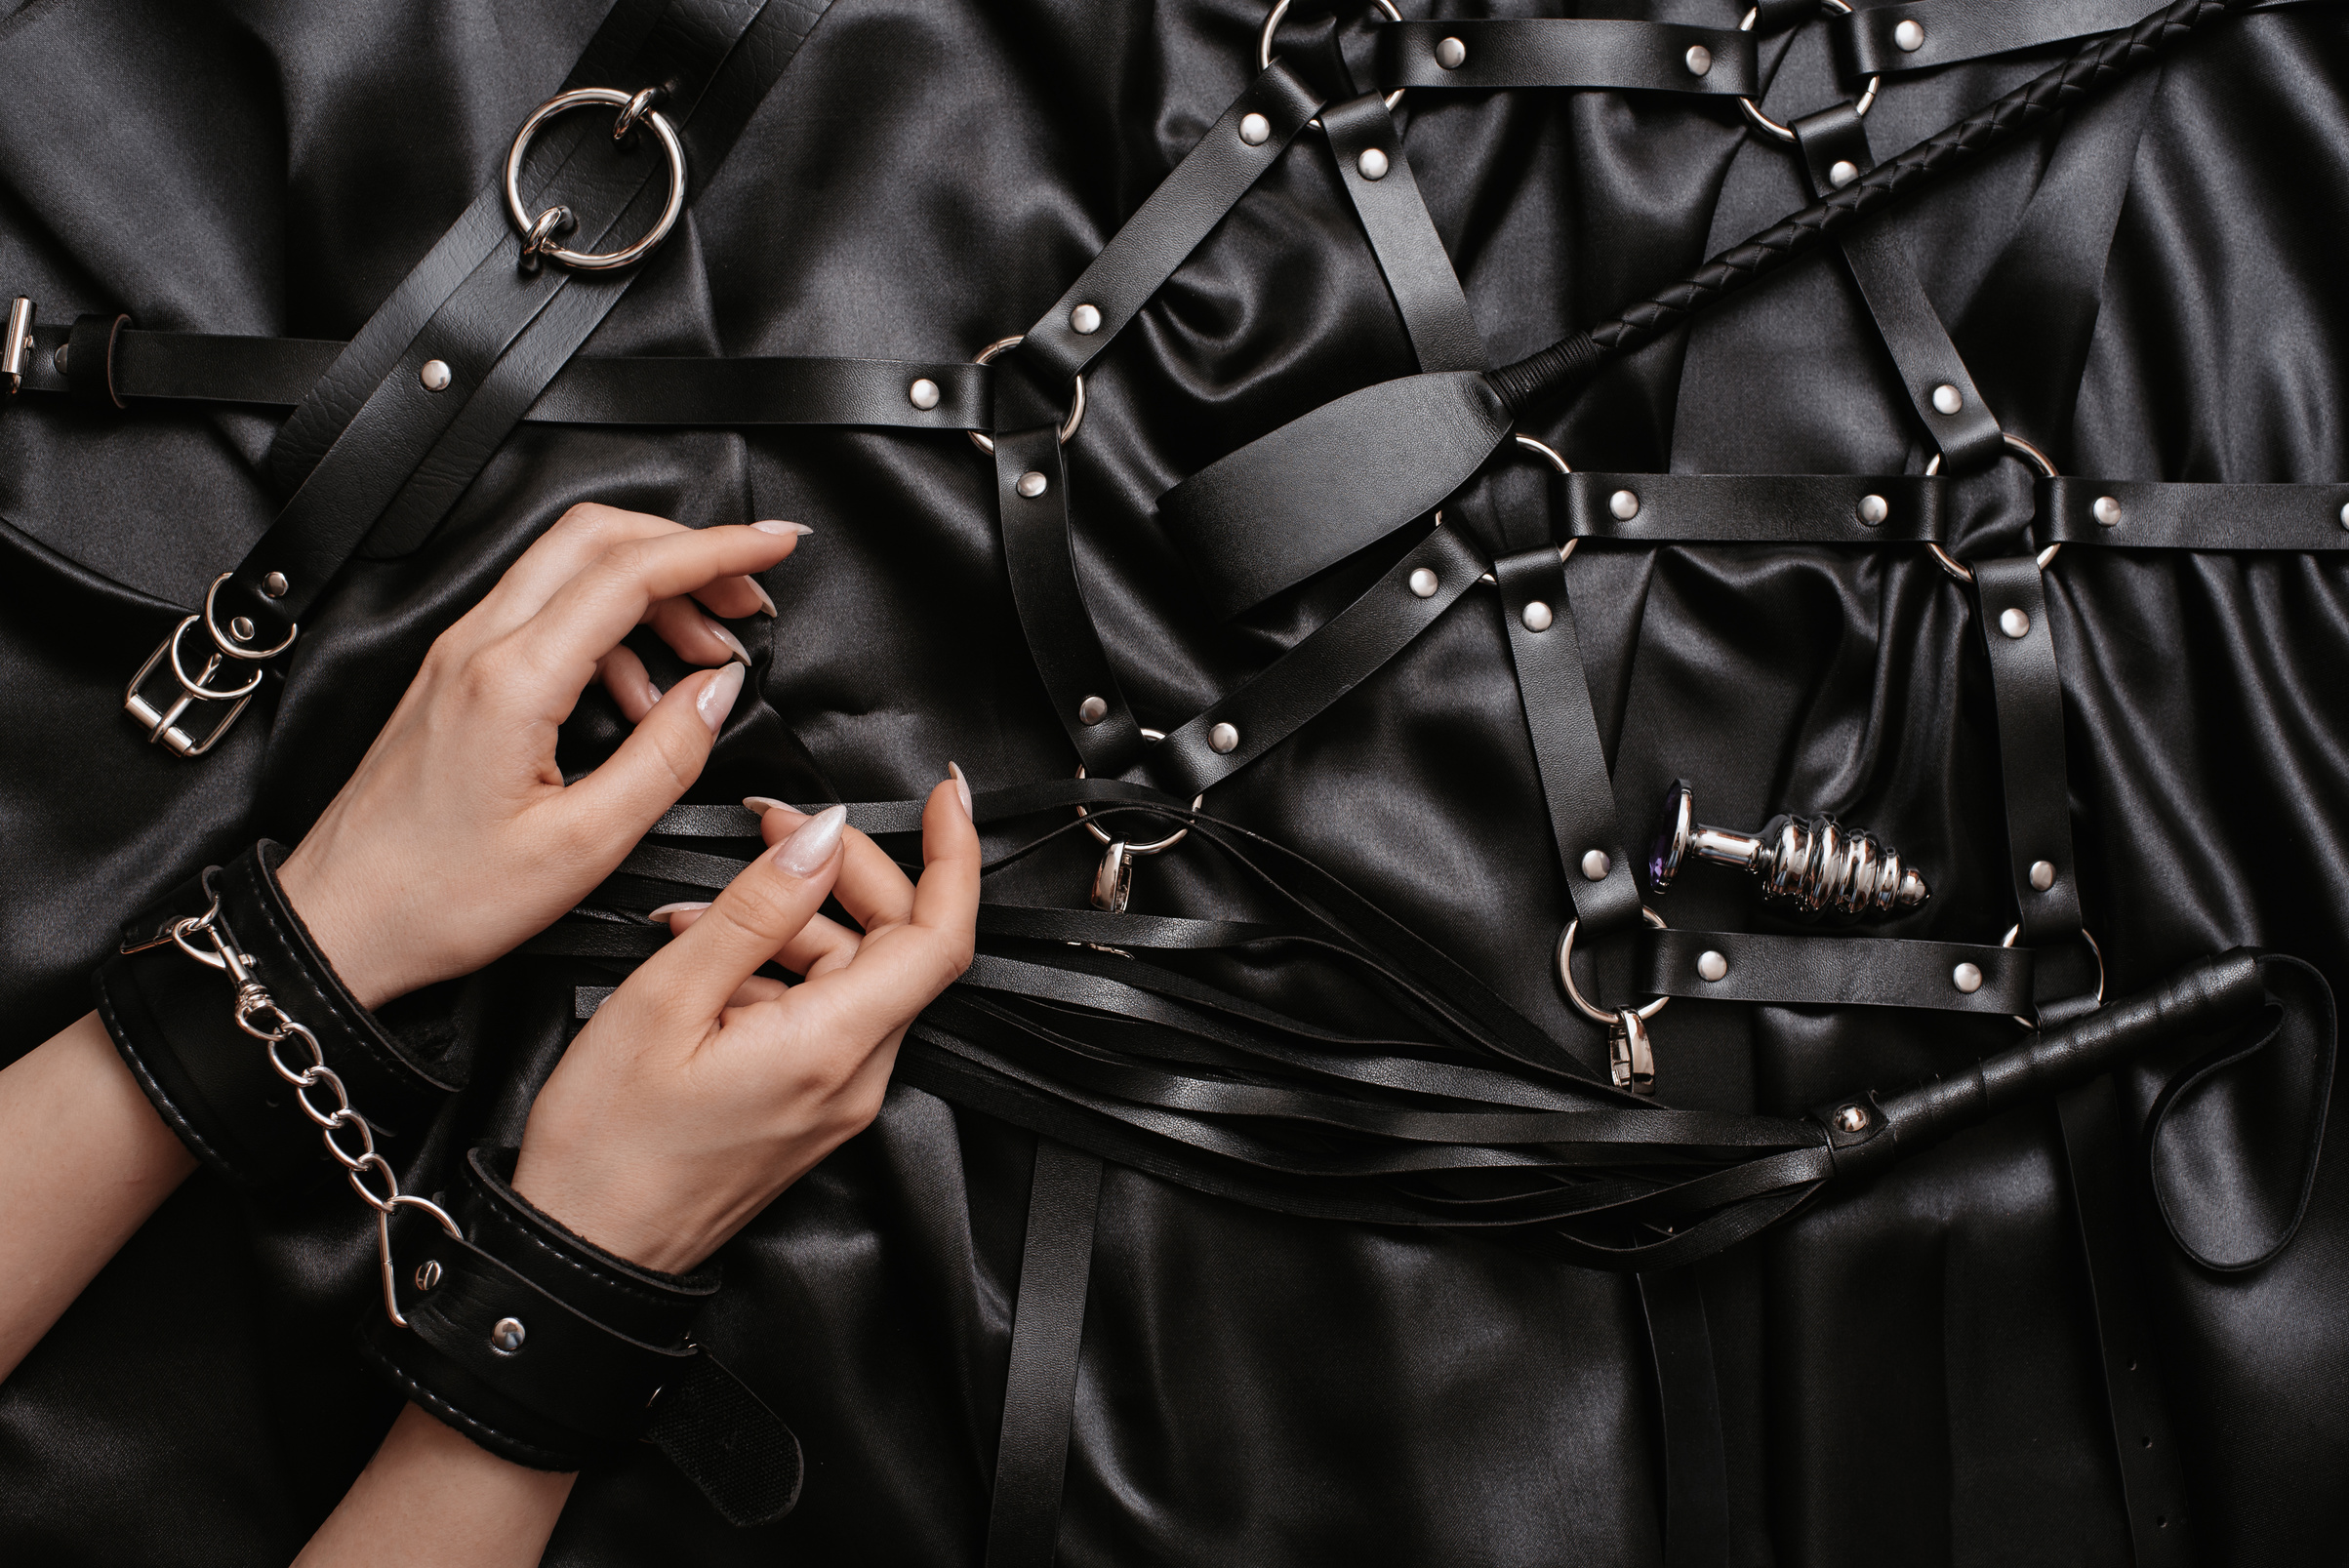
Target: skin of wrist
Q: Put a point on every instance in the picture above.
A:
(599, 1212)
(341, 931)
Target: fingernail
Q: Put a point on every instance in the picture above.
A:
(716, 699)
(771, 527)
(655, 690)
(733, 643)
(963, 787)
(808, 849)
(667, 910)
(766, 606)
(760, 805)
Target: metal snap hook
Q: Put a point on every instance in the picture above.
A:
(1271, 26)
(1076, 406)
(1786, 133)
(537, 231)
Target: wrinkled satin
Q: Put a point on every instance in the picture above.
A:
(1909, 1371)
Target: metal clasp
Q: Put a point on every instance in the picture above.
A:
(162, 724)
(539, 232)
(18, 348)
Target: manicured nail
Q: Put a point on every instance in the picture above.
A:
(760, 805)
(771, 527)
(766, 606)
(963, 787)
(810, 849)
(656, 694)
(716, 699)
(734, 644)
(667, 910)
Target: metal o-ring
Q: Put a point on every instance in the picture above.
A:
(1168, 842)
(1549, 455)
(2094, 951)
(1786, 133)
(194, 686)
(2031, 455)
(223, 642)
(1582, 1003)
(1271, 26)
(1076, 405)
(597, 261)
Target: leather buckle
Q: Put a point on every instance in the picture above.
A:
(16, 348)
(162, 724)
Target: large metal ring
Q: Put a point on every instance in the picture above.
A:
(1786, 133)
(226, 644)
(1565, 973)
(195, 685)
(2094, 951)
(1549, 455)
(1076, 406)
(2031, 455)
(1272, 25)
(1168, 842)
(537, 231)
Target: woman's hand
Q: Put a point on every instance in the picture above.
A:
(457, 838)
(699, 1090)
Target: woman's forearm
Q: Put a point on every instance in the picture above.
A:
(84, 1160)
(430, 1497)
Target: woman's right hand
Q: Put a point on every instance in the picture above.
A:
(699, 1091)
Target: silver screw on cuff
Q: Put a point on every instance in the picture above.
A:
(507, 1335)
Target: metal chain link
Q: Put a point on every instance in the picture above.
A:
(258, 1014)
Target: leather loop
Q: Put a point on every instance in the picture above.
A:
(1757, 508)
(1966, 436)
(1567, 52)
(1041, 562)
(173, 1019)
(1418, 271)
(1168, 225)
(90, 363)
(1056, 1265)
(1840, 970)
(2151, 516)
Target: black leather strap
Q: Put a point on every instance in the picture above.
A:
(1039, 555)
(2134, 514)
(1757, 508)
(1696, 1467)
(713, 393)
(1867, 42)
(502, 332)
(1336, 656)
(1968, 438)
(1568, 52)
(1839, 969)
(173, 1019)
(1572, 759)
(1039, 1395)
(1418, 271)
(1169, 224)
(89, 370)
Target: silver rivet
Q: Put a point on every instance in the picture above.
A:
(427, 1274)
(1424, 582)
(1536, 616)
(923, 393)
(276, 584)
(2107, 510)
(1372, 163)
(241, 628)
(2043, 874)
(1624, 504)
(1850, 1118)
(1451, 54)
(507, 1335)
(1092, 710)
(1968, 978)
(1710, 965)
(1947, 399)
(1085, 320)
(2015, 622)
(1842, 171)
(1873, 509)
(1255, 130)
(1033, 483)
(436, 375)
(1595, 865)
(1222, 740)
(2345, 515)
(1909, 37)
(63, 350)
(1699, 59)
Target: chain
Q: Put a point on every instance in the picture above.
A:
(258, 1014)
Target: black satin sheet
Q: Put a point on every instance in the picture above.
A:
(2150, 288)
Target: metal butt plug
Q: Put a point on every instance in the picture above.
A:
(1812, 866)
